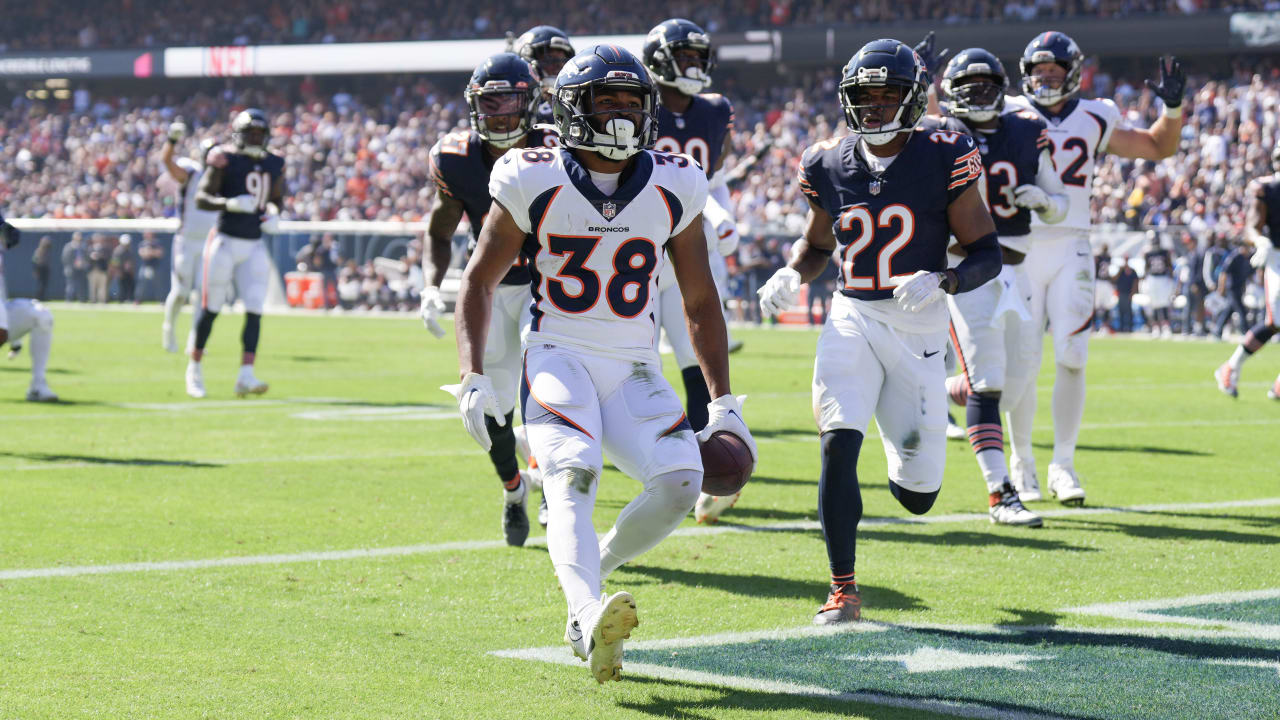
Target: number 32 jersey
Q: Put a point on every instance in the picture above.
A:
(891, 224)
(1078, 135)
(595, 258)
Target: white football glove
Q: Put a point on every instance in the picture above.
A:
(271, 219)
(725, 413)
(475, 400)
(920, 291)
(1261, 255)
(242, 204)
(1031, 196)
(432, 308)
(177, 131)
(779, 292)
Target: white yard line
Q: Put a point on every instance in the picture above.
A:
(1143, 611)
(359, 553)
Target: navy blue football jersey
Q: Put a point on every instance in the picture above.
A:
(1269, 193)
(1158, 262)
(1011, 157)
(698, 132)
(244, 175)
(892, 224)
(460, 168)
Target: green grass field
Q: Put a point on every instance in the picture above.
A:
(334, 551)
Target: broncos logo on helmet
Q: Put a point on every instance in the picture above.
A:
(667, 39)
(596, 71)
(249, 131)
(500, 98)
(883, 64)
(1054, 47)
(973, 85)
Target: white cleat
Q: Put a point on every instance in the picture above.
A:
(167, 339)
(15, 349)
(954, 431)
(1007, 509)
(41, 393)
(709, 508)
(195, 380)
(577, 640)
(1065, 486)
(616, 622)
(248, 384)
(1024, 479)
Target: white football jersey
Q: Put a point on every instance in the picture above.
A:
(595, 258)
(1079, 137)
(194, 223)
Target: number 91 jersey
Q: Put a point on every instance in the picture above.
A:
(245, 175)
(890, 225)
(595, 258)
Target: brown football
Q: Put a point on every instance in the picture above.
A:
(726, 464)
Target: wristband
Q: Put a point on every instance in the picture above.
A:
(1174, 113)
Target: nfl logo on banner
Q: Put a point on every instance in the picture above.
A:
(608, 209)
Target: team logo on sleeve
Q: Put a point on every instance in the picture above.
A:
(609, 209)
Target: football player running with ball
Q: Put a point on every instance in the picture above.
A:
(886, 198)
(1059, 262)
(245, 183)
(501, 96)
(596, 219)
(1264, 212)
(990, 327)
(679, 55)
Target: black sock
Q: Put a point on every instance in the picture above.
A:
(249, 336)
(917, 502)
(203, 327)
(839, 498)
(697, 396)
(503, 452)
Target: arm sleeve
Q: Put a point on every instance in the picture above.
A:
(966, 169)
(1048, 179)
(504, 187)
(981, 264)
(695, 199)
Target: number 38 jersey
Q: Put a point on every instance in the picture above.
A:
(244, 175)
(1078, 135)
(595, 258)
(890, 225)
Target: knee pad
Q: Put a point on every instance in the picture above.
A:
(44, 318)
(1073, 351)
(678, 489)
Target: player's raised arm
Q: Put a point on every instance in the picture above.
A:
(497, 248)
(1161, 139)
(177, 131)
(688, 252)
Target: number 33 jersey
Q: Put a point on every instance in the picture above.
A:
(595, 258)
(890, 224)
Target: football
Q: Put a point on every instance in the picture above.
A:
(726, 464)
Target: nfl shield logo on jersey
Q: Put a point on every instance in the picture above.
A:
(608, 209)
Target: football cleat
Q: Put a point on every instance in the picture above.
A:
(248, 384)
(844, 604)
(1007, 509)
(15, 348)
(1024, 479)
(709, 508)
(954, 431)
(1227, 379)
(617, 620)
(577, 641)
(195, 380)
(735, 345)
(515, 521)
(41, 393)
(1065, 485)
(167, 339)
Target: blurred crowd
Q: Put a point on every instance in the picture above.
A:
(73, 24)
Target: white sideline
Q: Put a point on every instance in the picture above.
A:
(465, 545)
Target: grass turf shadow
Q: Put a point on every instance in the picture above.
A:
(103, 460)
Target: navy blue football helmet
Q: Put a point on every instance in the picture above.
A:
(249, 131)
(1057, 48)
(503, 86)
(591, 72)
(534, 45)
(660, 46)
(884, 63)
(973, 85)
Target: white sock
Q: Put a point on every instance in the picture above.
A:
(1237, 358)
(993, 469)
(39, 344)
(571, 540)
(1068, 413)
(517, 495)
(1020, 411)
(172, 305)
(649, 518)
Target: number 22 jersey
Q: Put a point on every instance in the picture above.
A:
(595, 258)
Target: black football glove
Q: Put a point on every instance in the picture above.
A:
(10, 234)
(933, 61)
(1173, 82)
